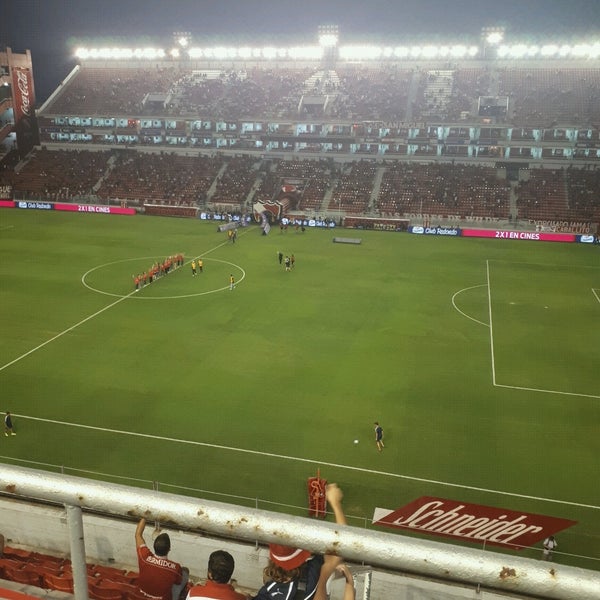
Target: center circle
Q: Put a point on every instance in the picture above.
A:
(134, 293)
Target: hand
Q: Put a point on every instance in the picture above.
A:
(345, 571)
(334, 494)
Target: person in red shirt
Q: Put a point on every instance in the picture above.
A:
(160, 578)
(218, 576)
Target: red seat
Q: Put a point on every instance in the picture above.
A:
(17, 553)
(10, 564)
(136, 594)
(62, 583)
(98, 592)
(25, 574)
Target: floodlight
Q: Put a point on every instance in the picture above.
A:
(401, 52)
(174, 52)
(494, 38)
(328, 36)
(269, 53)
(182, 38)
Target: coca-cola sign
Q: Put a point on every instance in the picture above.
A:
(24, 109)
(24, 88)
(22, 93)
(472, 522)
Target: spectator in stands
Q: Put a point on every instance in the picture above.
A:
(1, 544)
(288, 565)
(160, 578)
(218, 577)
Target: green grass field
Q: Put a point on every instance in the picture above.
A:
(237, 395)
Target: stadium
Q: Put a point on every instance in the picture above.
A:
(441, 202)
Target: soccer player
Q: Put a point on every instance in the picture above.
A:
(8, 426)
(159, 578)
(379, 436)
(193, 268)
(200, 265)
(231, 282)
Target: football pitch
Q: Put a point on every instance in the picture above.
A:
(480, 358)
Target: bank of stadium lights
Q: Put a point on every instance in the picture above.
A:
(589, 51)
(407, 52)
(120, 53)
(524, 51)
(268, 53)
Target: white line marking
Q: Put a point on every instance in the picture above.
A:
(306, 460)
(516, 387)
(596, 294)
(16, 360)
(493, 360)
(12, 362)
(460, 311)
(527, 389)
(6, 227)
(115, 262)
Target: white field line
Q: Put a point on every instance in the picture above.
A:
(309, 460)
(16, 360)
(492, 359)
(528, 389)
(58, 335)
(463, 313)
(516, 387)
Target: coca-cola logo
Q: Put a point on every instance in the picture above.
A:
(23, 85)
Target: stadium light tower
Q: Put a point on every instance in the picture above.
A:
(328, 41)
(182, 39)
(328, 36)
(491, 37)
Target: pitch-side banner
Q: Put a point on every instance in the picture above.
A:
(471, 522)
(24, 110)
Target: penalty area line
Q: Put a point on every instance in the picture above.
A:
(306, 460)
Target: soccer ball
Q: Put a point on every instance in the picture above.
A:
(356, 441)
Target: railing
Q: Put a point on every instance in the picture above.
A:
(523, 576)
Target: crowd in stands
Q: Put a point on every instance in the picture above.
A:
(548, 96)
(537, 96)
(233, 184)
(164, 178)
(102, 91)
(58, 175)
(352, 192)
(291, 573)
(443, 189)
(173, 184)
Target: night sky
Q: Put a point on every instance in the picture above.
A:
(52, 28)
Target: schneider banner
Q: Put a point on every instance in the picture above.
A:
(471, 522)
